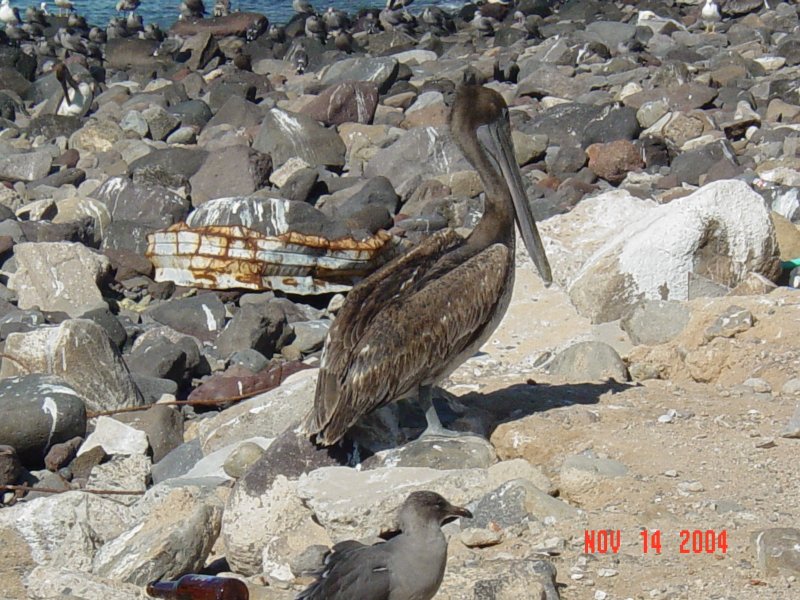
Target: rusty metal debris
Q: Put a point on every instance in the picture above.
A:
(234, 256)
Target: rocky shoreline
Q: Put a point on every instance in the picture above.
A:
(178, 233)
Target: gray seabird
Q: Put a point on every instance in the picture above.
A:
(410, 566)
(415, 320)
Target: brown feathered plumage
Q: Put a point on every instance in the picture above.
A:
(375, 355)
(415, 320)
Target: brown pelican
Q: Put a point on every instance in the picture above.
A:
(79, 102)
(415, 320)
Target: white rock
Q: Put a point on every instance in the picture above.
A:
(58, 276)
(66, 529)
(46, 583)
(356, 504)
(267, 414)
(122, 472)
(79, 352)
(264, 532)
(175, 538)
(280, 176)
(115, 438)
(723, 230)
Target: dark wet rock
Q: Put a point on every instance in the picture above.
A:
(191, 112)
(53, 126)
(88, 362)
(153, 388)
(37, 411)
(290, 455)
(81, 467)
(171, 167)
(789, 48)
(250, 359)
(588, 361)
(63, 177)
(284, 135)
(230, 171)
(202, 47)
(299, 185)
(10, 466)
(260, 327)
(221, 91)
(538, 79)
(121, 53)
(26, 166)
(565, 160)
(654, 322)
(163, 426)
(110, 324)
(309, 335)
(15, 320)
(611, 33)
(201, 316)
(346, 102)
(613, 161)
(237, 112)
(158, 358)
(380, 71)
(128, 264)
(375, 192)
(160, 123)
(563, 124)
(11, 79)
(60, 455)
(691, 165)
(241, 24)
(612, 124)
(148, 204)
(683, 97)
(178, 462)
(127, 236)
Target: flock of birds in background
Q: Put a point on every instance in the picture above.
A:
(334, 24)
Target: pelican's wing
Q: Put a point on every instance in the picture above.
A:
(398, 332)
(352, 571)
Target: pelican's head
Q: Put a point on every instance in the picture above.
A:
(480, 124)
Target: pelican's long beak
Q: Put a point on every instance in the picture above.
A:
(496, 137)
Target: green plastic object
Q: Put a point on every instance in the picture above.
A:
(788, 265)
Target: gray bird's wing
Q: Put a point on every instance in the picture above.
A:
(353, 571)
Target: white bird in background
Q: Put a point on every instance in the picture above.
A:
(128, 6)
(64, 5)
(8, 14)
(710, 15)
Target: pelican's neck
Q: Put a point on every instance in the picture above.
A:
(497, 223)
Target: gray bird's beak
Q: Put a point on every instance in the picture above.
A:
(496, 138)
(459, 511)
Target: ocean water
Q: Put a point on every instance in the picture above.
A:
(165, 12)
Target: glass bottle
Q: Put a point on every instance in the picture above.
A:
(199, 587)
